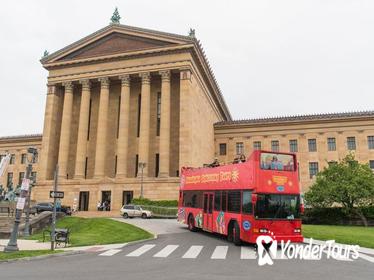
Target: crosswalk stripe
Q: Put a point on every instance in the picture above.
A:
(247, 253)
(192, 252)
(141, 250)
(110, 252)
(220, 252)
(166, 251)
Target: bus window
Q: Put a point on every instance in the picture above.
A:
(274, 161)
(247, 202)
(224, 200)
(217, 201)
(205, 203)
(233, 201)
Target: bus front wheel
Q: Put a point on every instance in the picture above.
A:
(234, 234)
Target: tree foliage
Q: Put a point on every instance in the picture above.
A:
(346, 183)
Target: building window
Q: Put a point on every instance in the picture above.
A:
(293, 146)
(138, 118)
(85, 168)
(371, 164)
(313, 169)
(118, 114)
(371, 142)
(158, 113)
(222, 149)
(115, 165)
(23, 158)
(257, 145)
(9, 180)
(331, 144)
(89, 120)
(275, 145)
(20, 177)
(331, 162)
(312, 145)
(157, 165)
(351, 143)
(33, 176)
(12, 159)
(239, 148)
(136, 165)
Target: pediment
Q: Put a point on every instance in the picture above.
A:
(114, 43)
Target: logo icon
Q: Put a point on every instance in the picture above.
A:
(246, 225)
(265, 256)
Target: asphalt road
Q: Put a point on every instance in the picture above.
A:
(182, 255)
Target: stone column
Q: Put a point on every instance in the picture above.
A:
(185, 129)
(49, 141)
(102, 125)
(63, 153)
(145, 118)
(165, 124)
(80, 161)
(123, 132)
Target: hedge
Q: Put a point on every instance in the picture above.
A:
(162, 203)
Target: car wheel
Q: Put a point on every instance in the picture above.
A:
(125, 215)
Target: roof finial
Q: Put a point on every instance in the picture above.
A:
(46, 53)
(191, 33)
(115, 17)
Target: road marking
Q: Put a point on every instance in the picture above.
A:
(166, 251)
(220, 252)
(110, 252)
(141, 250)
(247, 253)
(279, 255)
(193, 252)
(366, 257)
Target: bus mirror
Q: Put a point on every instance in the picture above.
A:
(254, 198)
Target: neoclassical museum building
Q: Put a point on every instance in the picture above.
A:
(127, 104)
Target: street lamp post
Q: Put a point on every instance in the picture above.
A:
(141, 166)
(34, 153)
(12, 244)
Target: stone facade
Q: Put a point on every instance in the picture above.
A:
(124, 95)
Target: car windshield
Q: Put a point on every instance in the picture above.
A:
(277, 206)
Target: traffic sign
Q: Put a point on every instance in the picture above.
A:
(56, 194)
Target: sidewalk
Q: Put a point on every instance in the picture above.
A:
(26, 245)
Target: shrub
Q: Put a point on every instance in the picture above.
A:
(162, 203)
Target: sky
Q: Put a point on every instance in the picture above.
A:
(270, 57)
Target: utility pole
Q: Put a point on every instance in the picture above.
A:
(12, 244)
(53, 229)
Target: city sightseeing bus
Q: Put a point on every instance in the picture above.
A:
(260, 196)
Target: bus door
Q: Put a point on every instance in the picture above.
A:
(208, 211)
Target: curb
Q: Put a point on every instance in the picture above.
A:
(319, 242)
(66, 253)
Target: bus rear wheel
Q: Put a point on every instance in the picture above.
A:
(191, 223)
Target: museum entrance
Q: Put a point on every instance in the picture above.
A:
(106, 197)
(84, 198)
(127, 197)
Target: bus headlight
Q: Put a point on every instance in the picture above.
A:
(263, 230)
(297, 230)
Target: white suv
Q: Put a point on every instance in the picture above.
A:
(134, 211)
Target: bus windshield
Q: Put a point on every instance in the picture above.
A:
(277, 206)
(274, 161)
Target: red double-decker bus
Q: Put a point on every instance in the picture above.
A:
(260, 196)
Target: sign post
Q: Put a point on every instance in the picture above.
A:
(53, 193)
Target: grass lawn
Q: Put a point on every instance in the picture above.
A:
(95, 231)
(356, 235)
(24, 254)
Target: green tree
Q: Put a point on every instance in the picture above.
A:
(346, 183)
